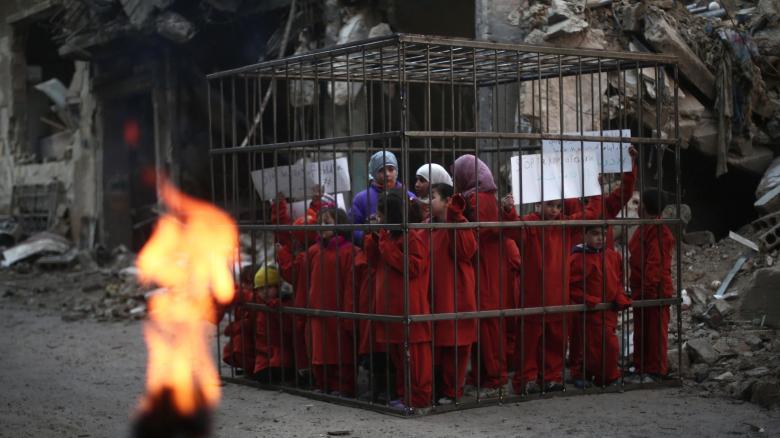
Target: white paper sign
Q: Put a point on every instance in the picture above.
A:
(299, 207)
(530, 175)
(298, 181)
(615, 161)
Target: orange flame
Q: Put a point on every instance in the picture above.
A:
(189, 253)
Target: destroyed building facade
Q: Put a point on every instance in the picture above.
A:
(96, 94)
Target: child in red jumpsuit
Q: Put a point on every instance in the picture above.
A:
(294, 267)
(544, 283)
(474, 182)
(239, 352)
(273, 332)
(334, 286)
(612, 205)
(595, 276)
(650, 258)
(385, 251)
(453, 290)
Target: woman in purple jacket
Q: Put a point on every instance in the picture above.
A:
(383, 172)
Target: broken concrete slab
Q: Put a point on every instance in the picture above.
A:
(568, 27)
(38, 244)
(715, 314)
(632, 18)
(770, 239)
(175, 27)
(761, 297)
(699, 238)
(755, 162)
(701, 351)
(673, 362)
(770, 180)
(728, 376)
(699, 295)
(665, 39)
(765, 394)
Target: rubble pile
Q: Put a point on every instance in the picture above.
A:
(728, 65)
(730, 319)
(95, 284)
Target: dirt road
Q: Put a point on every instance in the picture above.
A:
(82, 379)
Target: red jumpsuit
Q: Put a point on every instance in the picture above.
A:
(512, 287)
(544, 251)
(385, 252)
(273, 337)
(492, 344)
(453, 291)
(650, 260)
(294, 268)
(613, 204)
(239, 352)
(595, 277)
(334, 286)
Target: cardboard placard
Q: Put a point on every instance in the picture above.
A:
(615, 154)
(574, 174)
(298, 181)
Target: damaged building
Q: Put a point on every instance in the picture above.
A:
(95, 95)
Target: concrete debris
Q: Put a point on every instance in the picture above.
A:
(701, 351)
(769, 182)
(665, 38)
(715, 314)
(757, 372)
(728, 376)
(564, 18)
(699, 238)
(175, 27)
(10, 232)
(761, 299)
(765, 394)
(38, 244)
(356, 28)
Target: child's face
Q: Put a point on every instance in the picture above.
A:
(387, 176)
(267, 292)
(438, 206)
(380, 217)
(551, 209)
(594, 238)
(421, 187)
(327, 219)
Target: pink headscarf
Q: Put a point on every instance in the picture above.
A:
(471, 178)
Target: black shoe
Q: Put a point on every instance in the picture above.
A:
(553, 386)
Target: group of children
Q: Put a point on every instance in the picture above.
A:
(453, 270)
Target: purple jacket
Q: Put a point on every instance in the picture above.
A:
(364, 205)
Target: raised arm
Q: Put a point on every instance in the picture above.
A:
(466, 241)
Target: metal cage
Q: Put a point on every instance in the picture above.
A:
(431, 100)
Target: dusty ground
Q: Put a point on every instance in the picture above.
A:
(82, 379)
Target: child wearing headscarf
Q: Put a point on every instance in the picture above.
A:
(474, 182)
(428, 175)
(383, 173)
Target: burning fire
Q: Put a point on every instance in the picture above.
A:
(189, 253)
